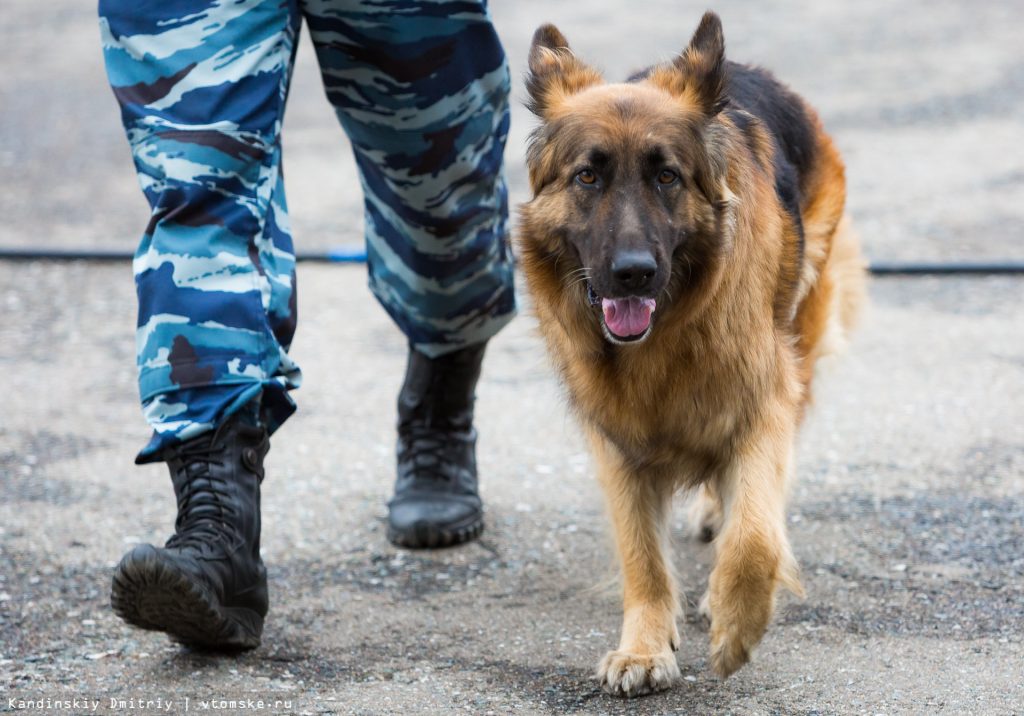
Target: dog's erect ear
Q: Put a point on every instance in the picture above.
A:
(547, 36)
(703, 64)
(555, 71)
(699, 74)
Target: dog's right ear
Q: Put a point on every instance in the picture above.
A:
(555, 72)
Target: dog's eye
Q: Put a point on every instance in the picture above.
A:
(587, 177)
(667, 176)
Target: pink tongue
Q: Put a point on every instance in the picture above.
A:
(627, 316)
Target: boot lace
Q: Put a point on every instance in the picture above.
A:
(202, 512)
(424, 454)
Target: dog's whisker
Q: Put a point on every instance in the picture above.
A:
(689, 268)
(576, 277)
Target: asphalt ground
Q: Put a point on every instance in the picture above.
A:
(907, 513)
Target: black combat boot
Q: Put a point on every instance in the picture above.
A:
(436, 502)
(207, 587)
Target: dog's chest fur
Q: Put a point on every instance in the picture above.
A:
(683, 410)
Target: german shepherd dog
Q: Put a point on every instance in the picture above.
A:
(689, 261)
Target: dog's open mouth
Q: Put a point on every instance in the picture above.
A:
(624, 320)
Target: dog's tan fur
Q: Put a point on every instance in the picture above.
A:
(712, 399)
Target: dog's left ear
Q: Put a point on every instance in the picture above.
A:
(699, 72)
(555, 72)
(703, 64)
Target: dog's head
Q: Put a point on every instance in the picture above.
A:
(628, 179)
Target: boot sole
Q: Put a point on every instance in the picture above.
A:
(151, 593)
(423, 535)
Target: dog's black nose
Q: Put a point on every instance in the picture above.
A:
(633, 270)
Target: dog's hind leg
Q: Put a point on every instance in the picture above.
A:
(704, 513)
(639, 506)
(753, 553)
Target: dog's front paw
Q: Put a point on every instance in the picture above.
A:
(627, 674)
(729, 650)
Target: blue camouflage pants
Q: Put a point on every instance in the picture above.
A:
(420, 86)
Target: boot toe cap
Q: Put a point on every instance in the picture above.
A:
(434, 520)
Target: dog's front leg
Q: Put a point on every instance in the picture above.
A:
(639, 506)
(753, 553)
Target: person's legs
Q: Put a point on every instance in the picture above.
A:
(422, 90)
(202, 87)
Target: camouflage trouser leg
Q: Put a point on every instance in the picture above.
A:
(422, 91)
(202, 87)
(422, 88)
